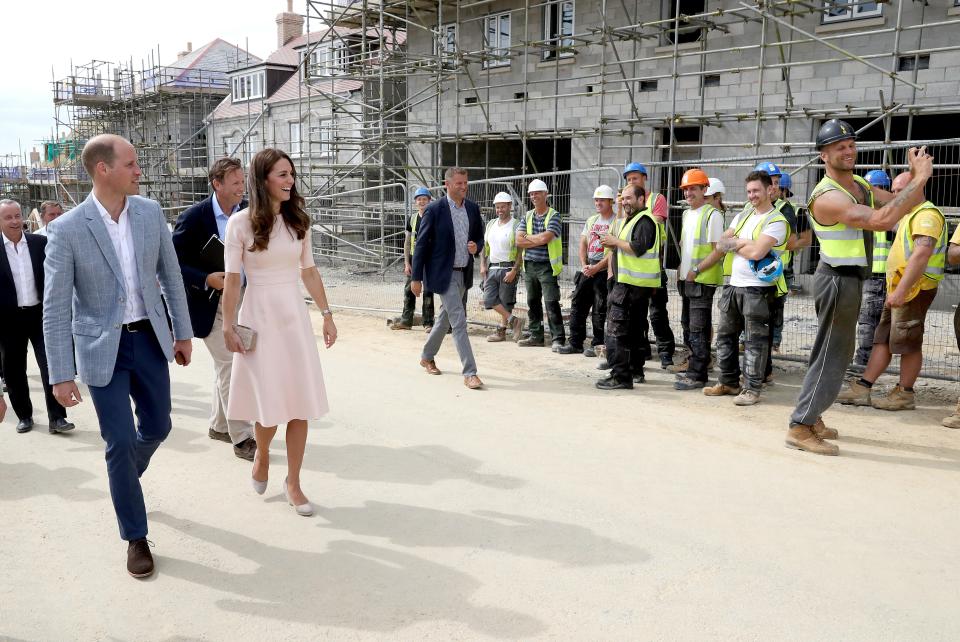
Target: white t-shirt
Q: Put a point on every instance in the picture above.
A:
(498, 238)
(743, 276)
(593, 233)
(688, 231)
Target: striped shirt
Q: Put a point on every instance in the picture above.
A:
(540, 252)
(461, 232)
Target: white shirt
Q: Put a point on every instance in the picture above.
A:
(743, 276)
(499, 237)
(18, 255)
(689, 230)
(42, 231)
(121, 236)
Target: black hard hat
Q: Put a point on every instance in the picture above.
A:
(834, 130)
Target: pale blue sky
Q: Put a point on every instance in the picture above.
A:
(42, 35)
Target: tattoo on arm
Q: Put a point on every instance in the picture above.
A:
(905, 194)
(927, 241)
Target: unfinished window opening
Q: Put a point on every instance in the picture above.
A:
(684, 30)
(558, 30)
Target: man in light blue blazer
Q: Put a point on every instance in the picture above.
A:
(108, 262)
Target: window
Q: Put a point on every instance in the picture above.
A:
(496, 40)
(294, 138)
(248, 86)
(685, 31)
(840, 10)
(328, 59)
(648, 85)
(558, 30)
(323, 137)
(711, 80)
(448, 39)
(909, 63)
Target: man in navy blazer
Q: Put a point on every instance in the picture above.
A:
(449, 235)
(196, 225)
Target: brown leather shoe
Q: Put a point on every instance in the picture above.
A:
(720, 389)
(398, 325)
(431, 366)
(473, 382)
(246, 449)
(219, 436)
(820, 430)
(139, 559)
(803, 437)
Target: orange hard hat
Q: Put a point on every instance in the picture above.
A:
(694, 177)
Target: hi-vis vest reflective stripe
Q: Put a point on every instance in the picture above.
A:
(839, 245)
(641, 271)
(413, 231)
(787, 255)
(937, 261)
(554, 247)
(881, 250)
(512, 235)
(702, 248)
(773, 217)
(661, 224)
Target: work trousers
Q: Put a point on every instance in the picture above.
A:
(776, 331)
(747, 310)
(542, 284)
(837, 301)
(660, 322)
(589, 298)
(696, 318)
(626, 329)
(874, 298)
(410, 304)
(239, 431)
(18, 327)
(453, 315)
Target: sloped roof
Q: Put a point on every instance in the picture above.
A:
(217, 55)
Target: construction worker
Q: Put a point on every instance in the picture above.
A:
(841, 207)
(539, 235)
(636, 174)
(714, 195)
(421, 199)
(699, 275)
(590, 283)
(914, 270)
(753, 244)
(499, 267)
(874, 287)
(953, 258)
(634, 266)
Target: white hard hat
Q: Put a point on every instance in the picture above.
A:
(716, 187)
(605, 191)
(502, 197)
(536, 185)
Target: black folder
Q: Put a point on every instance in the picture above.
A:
(212, 255)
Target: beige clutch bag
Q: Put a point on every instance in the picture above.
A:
(248, 336)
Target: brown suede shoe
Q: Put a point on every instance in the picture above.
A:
(246, 449)
(139, 559)
(219, 436)
(499, 335)
(721, 389)
(473, 382)
(820, 430)
(397, 325)
(953, 421)
(803, 437)
(431, 366)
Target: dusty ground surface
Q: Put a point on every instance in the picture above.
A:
(538, 508)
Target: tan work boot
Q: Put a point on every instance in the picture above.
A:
(747, 398)
(896, 399)
(399, 325)
(803, 437)
(820, 430)
(854, 393)
(678, 368)
(720, 389)
(499, 335)
(953, 421)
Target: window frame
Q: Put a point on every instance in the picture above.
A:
(498, 55)
(296, 141)
(566, 40)
(250, 86)
(851, 12)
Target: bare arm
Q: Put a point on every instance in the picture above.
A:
(747, 248)
(923, 247)
(406, 249)
(953, 254)
(801, 240)
(527, 241)
(583, 251)
(314, 285)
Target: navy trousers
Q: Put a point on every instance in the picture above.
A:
(141, 374)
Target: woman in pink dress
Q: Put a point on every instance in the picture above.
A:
(279, 380)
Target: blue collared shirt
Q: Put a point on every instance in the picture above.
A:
(221, 217)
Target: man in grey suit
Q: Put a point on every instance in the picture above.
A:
(108, 262)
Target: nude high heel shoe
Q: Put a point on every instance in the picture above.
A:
(259, 487)
(304, 510)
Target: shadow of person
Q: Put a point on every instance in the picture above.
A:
(420, 465)
(179, 439)
(568, 544)
(26, 480)
(351, 585)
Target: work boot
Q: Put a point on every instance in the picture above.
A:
(953, 421)
(721, 389)
(854, 393)
(896, 399)
(568, 349)
(612, 383)
(531, 342)
(803, 437)
(820, 430)
(399, 325)
(639, 378)
(589, 351)
(604, 365)
(500, 334)
(684, 382)
(666, 363)
(679, 367)
(747, 397)
(556, 346)
(516, 327)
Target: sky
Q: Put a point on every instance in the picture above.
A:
(40, 36)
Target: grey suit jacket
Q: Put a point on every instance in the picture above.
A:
(83, 297)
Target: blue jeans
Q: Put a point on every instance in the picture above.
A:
(141, 373)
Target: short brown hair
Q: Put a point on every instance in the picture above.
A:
(44, 205)
(638, 192)
(222, 167)
(454, 171)
(761, 176)
(99, 148)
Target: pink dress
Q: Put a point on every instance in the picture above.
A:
(281, 378)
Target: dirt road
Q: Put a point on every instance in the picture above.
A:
(538, 508)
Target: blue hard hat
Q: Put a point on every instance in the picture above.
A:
(768, 269)
(878, 178)
(769, 168)
(634, 167)
(422, 191)
(785, 181)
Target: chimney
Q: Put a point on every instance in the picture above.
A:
(289, 25)
(184, 53)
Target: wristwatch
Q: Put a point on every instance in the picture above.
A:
(696, 269)
(326, 312)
